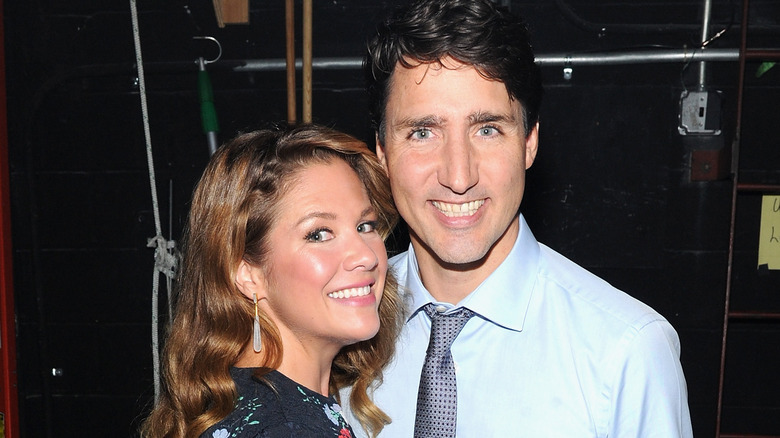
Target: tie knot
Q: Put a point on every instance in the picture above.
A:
(461, 315)
(446, 327)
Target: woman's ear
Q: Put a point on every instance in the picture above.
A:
(250, 280)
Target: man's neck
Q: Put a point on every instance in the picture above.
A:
(451, 283)
(449, 286)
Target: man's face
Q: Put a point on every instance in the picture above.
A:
(456, 155)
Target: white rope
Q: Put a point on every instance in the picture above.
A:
(165, 260)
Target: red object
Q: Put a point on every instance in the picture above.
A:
(710, 165)
(9, 409)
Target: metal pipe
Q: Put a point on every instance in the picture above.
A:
(705, 34)
(638, 57)
(279, 64)
(560, 59)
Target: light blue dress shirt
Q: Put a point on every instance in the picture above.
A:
(553, 351)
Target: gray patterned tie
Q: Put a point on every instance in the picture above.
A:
(437, 398)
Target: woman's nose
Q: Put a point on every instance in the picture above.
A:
(361, 255)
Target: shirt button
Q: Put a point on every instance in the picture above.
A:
(441, 309)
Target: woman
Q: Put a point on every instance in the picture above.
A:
(284, 295)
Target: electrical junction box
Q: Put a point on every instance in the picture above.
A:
(700, 112)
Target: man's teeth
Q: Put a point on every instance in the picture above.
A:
(351, 293)
(457, 210)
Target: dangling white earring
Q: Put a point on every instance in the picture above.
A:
(257, 341)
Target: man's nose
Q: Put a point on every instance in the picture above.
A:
(459, 170)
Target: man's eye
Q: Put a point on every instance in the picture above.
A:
(320, 235)
(487, 131)
(421, 134)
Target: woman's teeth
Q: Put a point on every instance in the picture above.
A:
(351, 292)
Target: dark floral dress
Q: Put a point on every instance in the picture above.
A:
(285, 411)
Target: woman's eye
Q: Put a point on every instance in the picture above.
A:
(367, 227)
(320, 235)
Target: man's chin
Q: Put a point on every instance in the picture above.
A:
(461, 255)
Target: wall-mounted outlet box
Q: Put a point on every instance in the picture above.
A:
(699, 112)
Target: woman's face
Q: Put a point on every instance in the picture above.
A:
(327, 262)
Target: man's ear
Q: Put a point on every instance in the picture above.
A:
(250, 280)
(380, 152)
(531, 145)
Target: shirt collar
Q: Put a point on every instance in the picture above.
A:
(503, 297)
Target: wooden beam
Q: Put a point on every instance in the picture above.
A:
(231, 12)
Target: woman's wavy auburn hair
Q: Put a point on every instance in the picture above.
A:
(233, 208)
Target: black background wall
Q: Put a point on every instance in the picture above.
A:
(611, 188)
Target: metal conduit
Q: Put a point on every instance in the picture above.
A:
(705, 35)
(611, 58)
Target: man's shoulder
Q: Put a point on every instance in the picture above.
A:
(591, 292)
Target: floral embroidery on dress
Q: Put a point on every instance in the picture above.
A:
(249, 407)
(285, 406)
(332, 411)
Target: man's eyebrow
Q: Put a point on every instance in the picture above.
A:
(412, 122)
(486, 117)
(474, 119)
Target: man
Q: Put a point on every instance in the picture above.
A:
(549, 349)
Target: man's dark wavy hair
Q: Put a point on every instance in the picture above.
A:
(476, 32)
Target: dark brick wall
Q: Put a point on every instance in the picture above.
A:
(610, 188)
